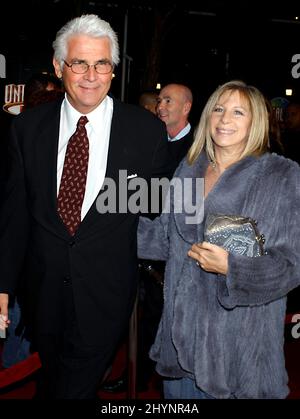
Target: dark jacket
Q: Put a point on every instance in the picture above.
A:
(101, 259)
(179, 148)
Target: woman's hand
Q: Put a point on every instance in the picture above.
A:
(210, 257)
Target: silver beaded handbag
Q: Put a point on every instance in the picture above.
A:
(235, 234)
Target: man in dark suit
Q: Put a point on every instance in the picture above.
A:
(81, 277)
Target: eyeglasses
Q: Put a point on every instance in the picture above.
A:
(81, 67)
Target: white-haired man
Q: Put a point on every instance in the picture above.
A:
(80, 265)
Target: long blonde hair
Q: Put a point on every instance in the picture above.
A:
(257, 143)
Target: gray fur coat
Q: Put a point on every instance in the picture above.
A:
(227, 332)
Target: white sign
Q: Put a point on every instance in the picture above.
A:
(14, 98)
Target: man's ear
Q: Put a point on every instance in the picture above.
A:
(187, 107)
(57, 68)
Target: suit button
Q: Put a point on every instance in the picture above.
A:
(67, 280)
(71, 243)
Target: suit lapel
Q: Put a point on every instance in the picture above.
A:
(47, 149)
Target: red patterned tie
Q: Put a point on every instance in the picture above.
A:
(73, 179)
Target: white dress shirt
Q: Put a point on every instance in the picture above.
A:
(98, 131)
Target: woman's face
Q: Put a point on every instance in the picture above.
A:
(230, 122)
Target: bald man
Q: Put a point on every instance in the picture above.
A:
(173, 107)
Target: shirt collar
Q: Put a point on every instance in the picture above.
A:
(181, 133)
(72, 115)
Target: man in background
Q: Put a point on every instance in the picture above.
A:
(148, 100)
(173, 108)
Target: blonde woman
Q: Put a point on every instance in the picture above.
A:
(221, 333)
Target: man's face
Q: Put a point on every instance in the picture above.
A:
(292, 119)
(85, 91)
(171, 107)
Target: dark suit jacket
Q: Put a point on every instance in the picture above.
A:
(178, 149)
(101, 259)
